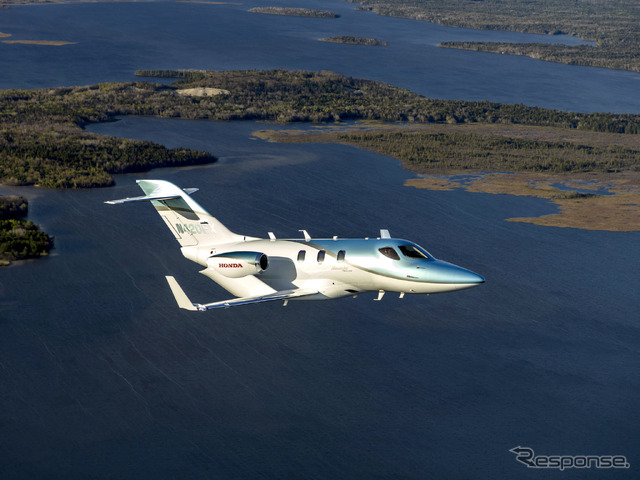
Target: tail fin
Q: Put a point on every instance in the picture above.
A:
(189, 222)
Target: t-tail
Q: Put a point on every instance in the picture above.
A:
(190, 223)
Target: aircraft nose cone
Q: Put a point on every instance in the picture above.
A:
(467, 276)
(444, 272)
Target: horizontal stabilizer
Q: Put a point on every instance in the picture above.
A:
(184, 302)
(180, 296)
(154, 196)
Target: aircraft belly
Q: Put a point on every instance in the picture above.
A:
(330, 282)
(406, 286)
(248, 286)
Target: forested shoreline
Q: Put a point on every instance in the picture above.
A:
(19, 238)
(459, 151)
(42, 141)
(613, 26)
(302, 96)
(351, 40)
(294, 12)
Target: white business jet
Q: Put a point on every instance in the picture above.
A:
(262, 270)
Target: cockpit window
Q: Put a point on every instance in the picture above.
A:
(412, 251)
(389, 252)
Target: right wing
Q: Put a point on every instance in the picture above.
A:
(184, 302)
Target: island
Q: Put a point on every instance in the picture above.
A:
(543, 151)
(350, 40)
(615, 35)
(294, 12)
(20, 239)
(612, 41)
(42, 141)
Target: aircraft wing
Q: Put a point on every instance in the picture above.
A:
(184, 302)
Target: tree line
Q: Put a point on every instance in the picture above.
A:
(295, 12)
(613, 26)
(19, 238)
(42, 140)
(293, 96)
(424, 152)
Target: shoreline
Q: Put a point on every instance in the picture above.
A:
(614, 40)
(618, 210)
(604, 201)
(352, 40)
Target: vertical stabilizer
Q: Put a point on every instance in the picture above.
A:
(189, 222)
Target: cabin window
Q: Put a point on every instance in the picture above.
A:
(341, 255)
(413, 252)
(301, 255)
(389, 252)
(321, 255)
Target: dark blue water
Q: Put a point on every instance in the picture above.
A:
(102, 376)
(115, 40)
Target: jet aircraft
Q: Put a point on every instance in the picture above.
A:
(261, 270)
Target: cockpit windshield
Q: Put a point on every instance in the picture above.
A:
(413, 251)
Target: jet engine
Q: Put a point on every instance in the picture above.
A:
(238, 264)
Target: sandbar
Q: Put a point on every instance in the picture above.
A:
(616, 211)
(55, 43)
(202, 92)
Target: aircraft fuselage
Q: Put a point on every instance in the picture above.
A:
(343, 267)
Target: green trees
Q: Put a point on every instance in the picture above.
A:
(42, 141)
(19, 238)
(295, 12)
(425, 151)
(612, 24)
(351, 40)
(12, 206)
(287, 96)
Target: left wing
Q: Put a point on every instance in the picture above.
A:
(184, 302)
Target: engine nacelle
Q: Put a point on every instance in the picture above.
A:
(238, 264)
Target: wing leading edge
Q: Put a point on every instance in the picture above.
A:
(184, 302)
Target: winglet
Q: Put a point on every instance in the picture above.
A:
(180, 296)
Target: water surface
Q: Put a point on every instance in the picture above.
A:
(104, 377)
(115, 39)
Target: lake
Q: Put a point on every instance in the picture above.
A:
(115, 40)
(104, 377)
